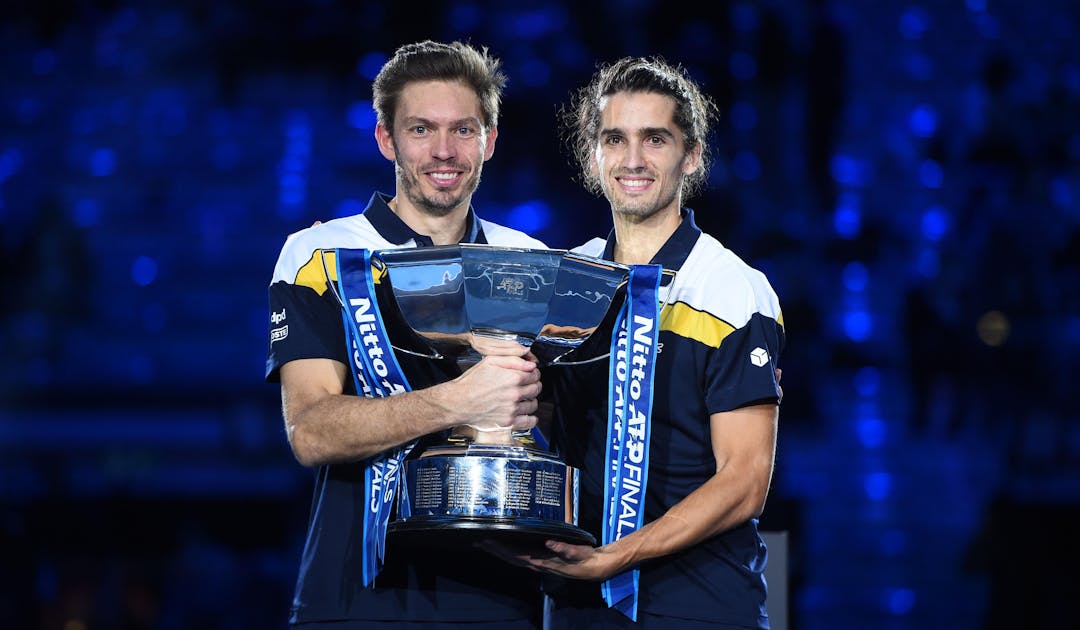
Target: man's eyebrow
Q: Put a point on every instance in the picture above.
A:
(644, 131)
(420, 120)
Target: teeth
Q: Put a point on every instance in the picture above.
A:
(635, 183)
(444, 176)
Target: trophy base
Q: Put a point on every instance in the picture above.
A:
(516, 494)
(439, 531)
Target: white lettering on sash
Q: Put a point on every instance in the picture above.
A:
(384, 472)
(634, 438)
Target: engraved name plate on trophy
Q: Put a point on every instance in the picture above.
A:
(461, 302)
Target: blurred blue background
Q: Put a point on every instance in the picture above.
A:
(906, 173)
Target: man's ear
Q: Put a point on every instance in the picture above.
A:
(692, 160)
(489, 148)
(385, 140)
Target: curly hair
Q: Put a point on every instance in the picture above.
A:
(695, 112)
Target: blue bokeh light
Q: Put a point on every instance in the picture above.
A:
(847, 170)
(144, 271)
(529, 217)
(746, 166)
(858, 324)
(742, 66)
(743, 115)
(914, 22)
(86, 213)
(348, 207)
(867, 381)
(930, 174)
(102, 162)
(935, 223)
(44, 62)
(361, 116)
(878, 486)
(847, 219)
(900, 601)
(923, 121)
(871, 431)
(855, 277)
(368, 65)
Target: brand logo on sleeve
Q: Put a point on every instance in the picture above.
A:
(277, 334)
(277, 318)
(759, 356)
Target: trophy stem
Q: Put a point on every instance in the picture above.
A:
(494, 437)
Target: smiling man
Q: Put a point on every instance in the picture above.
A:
(695, 559)
(437, 107)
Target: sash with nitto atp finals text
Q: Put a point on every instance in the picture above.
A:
(376, 373)
(632, 364)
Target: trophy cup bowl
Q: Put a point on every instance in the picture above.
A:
(459, 302)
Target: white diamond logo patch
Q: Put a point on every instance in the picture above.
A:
(759, 356)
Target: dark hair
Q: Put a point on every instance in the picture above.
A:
(435, 61)
(694, 112)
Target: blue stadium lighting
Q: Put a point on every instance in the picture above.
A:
(1060, 193)
(154, 317)
(348, 207)
(744, 17)
(535, 73)
(144, 271)
(292, 171)
(102, 162)
(988, 26)
(935, 223)
(855, 277)
(977, 6)
(745, 166)
(44, 62)
(923, 121)
(871, 431)
(847, 219)
(914, 22)
(225, 155)
(27, 110)
(846, 170)
(1072, 328)
(919, 65)
(142, 369)
(532, 25)
(930, 174)
(857, 325)
(867, 381)
(361, 116)
(899, 601)
(10, 161)
(86, 213)
(369, 65)
(742, 66)
(39, 371)
(743, 116)
(928, 262)
(464, 17)
(878, 486)
(531, 216)
(894, 542)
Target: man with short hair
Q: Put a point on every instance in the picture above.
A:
(437, 107)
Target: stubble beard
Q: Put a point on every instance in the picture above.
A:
(637, 209)
(440, 204)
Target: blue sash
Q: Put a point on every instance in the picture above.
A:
(633, 361)
(376, 373)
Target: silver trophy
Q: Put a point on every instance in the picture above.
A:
(460, 302)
